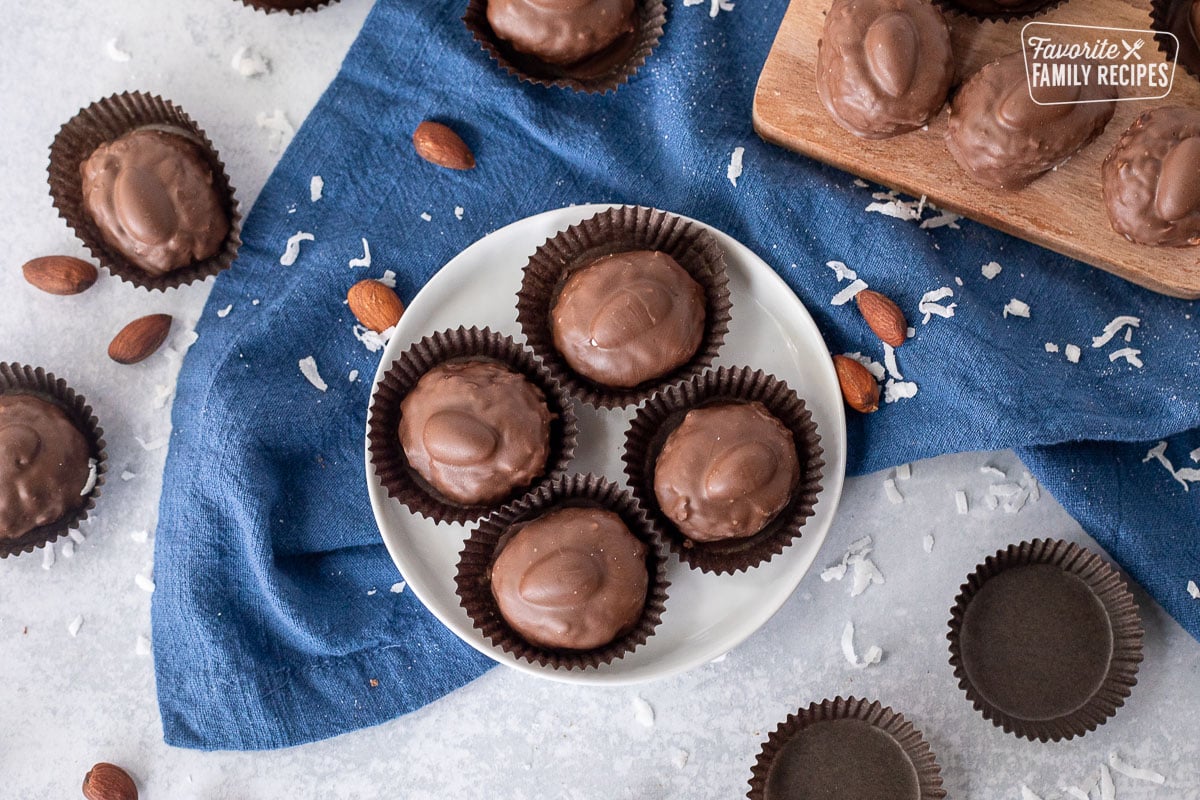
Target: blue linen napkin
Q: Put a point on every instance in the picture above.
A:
(274, 621)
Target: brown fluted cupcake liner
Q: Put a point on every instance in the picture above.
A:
(461, 344)
(998, 652)
(485, 543)
(105, 121)
(1174, 16)
(290, 6)
(618, 230)
(21, 379)
(832, 728)
(598, 74)
(958, 8)
(663, 413)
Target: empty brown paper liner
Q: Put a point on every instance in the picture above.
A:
(21, 379)
(105, 121)
(1047, 612)
(619, 230)
(598, 74)
(839, 762)
(481, 548)
(662, 414)
(462, 344)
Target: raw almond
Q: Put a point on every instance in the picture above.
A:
(438, 144)
(139, 339)
(60, 274)
(859, 386)
(883, 316)
(375, 305)
(109, 782)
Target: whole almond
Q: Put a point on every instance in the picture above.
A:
(375, 305)
(438, 144)
(859, 386)
(883, 316)
(109, 782)
(139, 339)
(61, 275)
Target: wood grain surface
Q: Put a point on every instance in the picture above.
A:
(1063, 211)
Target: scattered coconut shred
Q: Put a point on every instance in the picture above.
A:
(115, 53)
(930, 307)
(91, 478)
(316, 186)
(374, 342)
(991, 269)
(715, 6)
(1193, 590)
(890, 204)
(308, 368)
(279, 130)
(1016, 308)
(855, 558)
(292, 251)
(734, 170)
(365, 261)
(871, 656)
(249, 64)
(1136, 773)
(1184, 475)
(643, 712)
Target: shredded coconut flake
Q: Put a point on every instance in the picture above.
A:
(1016, 308)
(76, 536)
(889, 361)
(995, 472)
(68, 549)
(1051, 347)
(991, 269)
(292, 251)
(114, 52)
(353, 376)
(316, 187)
(426, 216)
(960, 502)
(1113, 328)
(224, 312)
(1136, 773)
(398, 587)
(1107, 790)
(1027, 793)
(308, 368)
(893, 494)
(140, 536)
(1195, 455)
(894, 208)
(1076, 792)
(90, 483)
(1193, 590)
(365, 261)
(249, 64)
(374, 342)
(843, 272)
(74, 626)
(1129, 354)
(458, 212)
(873, 367)
(1072, 353)
(945, 219)
(128, 476)
(865, 573)
(643, 712)
(734, 170)
(48, 556)
(847, 294)
(927, 543)
(872, 655)
(903, 472)
(142, 646)
(279, 130)
(143, 582)
(153, 444)
(898, 390)
(388, 279)
(929, 305)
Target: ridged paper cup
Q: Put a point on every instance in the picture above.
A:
(1174, 16)
(21, 379)
(848, 748)
(485, 543)
(461, 344)
(290, 6)
(663, 413)
(957, 8)
(1045, 640)
(620, 230)
(105, 121)
(598, 74)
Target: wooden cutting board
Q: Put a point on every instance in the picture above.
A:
(1063, 210)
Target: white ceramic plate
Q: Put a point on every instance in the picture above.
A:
(706, 615)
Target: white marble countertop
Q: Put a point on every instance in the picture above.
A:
(68, 701)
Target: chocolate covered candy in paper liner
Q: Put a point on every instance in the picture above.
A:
(290, 6)
(999, 11)
(1181, 18)
(661, 416)
(18, 379)
(455, 346)
(602, 72)
(106, 121)
(480, 550)
(1045, 640)
(846, 747)
(619, 230)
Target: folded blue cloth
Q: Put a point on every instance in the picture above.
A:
(266, 630)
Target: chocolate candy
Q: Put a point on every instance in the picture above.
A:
(1151, 179)
(475, 431)
(43, 465)
(1195, 19)
(572, 579)
(884, 67)
(1005, 140)
(1002, 7)
(726, 471)
(561, 31)
(151, 195)
(628, 318)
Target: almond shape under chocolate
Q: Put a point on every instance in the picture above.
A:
(453, 437)
(144, 206)
(629, 313)
(746, 467)
(893, 51)
(560, 578)
(1179, 182)
(1019, 111)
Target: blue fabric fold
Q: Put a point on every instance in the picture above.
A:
(274, 619)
